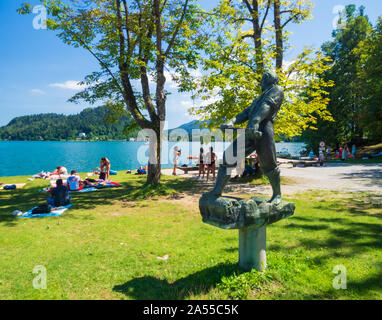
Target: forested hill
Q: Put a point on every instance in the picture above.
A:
(51, 126)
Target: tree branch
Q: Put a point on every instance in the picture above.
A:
(171, 43)
(265, 14)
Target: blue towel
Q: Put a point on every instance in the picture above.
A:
(55, 213)
(86, 190)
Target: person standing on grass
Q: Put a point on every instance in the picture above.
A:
(353, 150)
(211, 163)
(105, 166)
(201, 163)
(177, 154)
(344, 153)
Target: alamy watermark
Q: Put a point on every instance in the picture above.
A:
(40, 20)
(339, 21)
(340, 281)
(40, 281)
(233, 156)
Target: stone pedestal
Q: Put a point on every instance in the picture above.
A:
(251, 218)
(252, 249)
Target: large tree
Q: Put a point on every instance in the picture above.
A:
(242, 44)
(348, 100)
(371, 77)
(134, 42)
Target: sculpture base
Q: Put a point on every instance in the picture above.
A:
(251, 218)
(252, 249)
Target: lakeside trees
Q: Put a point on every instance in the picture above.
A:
(356, 98)
(90, 121)
(134, 42)
(138, 42)
(241, 45)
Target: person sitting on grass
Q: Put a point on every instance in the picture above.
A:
(141, 170)
(74, 181)
(59, 195)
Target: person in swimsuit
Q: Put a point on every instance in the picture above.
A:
(58, 172)
(211, 163)
(201, 163)
(177, 154)
(105, 166)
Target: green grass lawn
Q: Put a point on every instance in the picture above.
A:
(107, 246)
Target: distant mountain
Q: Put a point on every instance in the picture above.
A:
(189, 126)
(89, 124)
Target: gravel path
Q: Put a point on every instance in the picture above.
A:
(337, 177)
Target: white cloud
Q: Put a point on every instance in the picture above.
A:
(170, 79)
(186, 104)
(69, 85)
(37, 92)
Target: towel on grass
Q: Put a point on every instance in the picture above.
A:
(85, 190)
(107, 184)
(17, 185)
(54, 213)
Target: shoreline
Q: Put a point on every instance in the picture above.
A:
(341, 177)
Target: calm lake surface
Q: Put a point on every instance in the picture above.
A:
(30, 157)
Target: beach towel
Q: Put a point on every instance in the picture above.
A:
(107, 184)
(54, 213)
(84, 190)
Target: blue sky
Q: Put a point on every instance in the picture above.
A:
(38, 73)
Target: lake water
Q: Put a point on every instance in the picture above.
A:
(30, 157)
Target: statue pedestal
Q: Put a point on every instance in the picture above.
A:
(251, 218)
(252, 249)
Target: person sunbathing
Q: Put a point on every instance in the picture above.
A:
(141, 170)
(58, 172)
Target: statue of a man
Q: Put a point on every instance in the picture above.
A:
(259, 136)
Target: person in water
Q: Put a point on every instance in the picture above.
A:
(105, 166)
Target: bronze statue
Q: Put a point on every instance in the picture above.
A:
(259, 136)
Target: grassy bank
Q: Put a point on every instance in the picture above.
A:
(107, 247)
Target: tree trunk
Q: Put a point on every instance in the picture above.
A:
(154, 166)
(279, 36)
(257, 38)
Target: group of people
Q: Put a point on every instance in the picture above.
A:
(344, 152)
(59, 195)
(206, 163)
(104, 169)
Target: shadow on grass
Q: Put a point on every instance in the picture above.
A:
(344, 237)
(133, 190)
(151, 288)
(19, 199)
